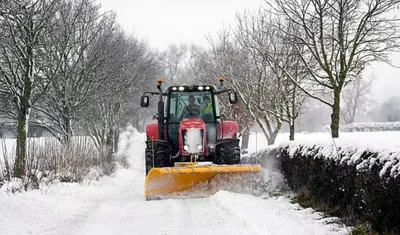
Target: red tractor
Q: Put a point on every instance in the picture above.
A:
(190, 129)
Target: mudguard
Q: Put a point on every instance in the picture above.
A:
(152, 130)
(227, 130)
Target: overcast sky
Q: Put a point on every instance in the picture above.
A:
(163, 22)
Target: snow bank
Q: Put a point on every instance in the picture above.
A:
(60, 208)
(276, 215)
(352, 149)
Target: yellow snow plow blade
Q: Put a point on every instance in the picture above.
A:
(164, 181)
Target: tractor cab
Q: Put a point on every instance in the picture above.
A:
(191, 103)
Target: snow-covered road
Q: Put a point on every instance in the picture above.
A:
(116, 205)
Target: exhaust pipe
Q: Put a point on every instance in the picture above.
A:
(161, 134)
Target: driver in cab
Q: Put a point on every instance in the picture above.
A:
(207, 105)
(191, 109)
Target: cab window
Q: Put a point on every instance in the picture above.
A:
(190, 104)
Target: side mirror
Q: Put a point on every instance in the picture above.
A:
(144, 101)
(233, 98)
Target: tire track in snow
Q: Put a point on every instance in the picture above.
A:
(109, 203)
(203, 216)
(249, 229)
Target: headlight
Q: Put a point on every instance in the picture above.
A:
(199, 147)
(186, 147)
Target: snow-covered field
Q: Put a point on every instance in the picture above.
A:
(6, 146)
(382, 140)
(116, 205)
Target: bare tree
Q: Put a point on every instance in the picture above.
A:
(81, 46)
(249, 75)
(175, 60)
(195, 65)
(23, 26)
(356, 98)
(244, 119)
(7, 106)
(256, 34)
(342, 37)
(132, 70)
(390, 109)
(314, 118)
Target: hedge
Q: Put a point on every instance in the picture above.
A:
(371, 127)
(361, 184)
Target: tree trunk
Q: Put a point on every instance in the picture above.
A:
(335, 116)
(23, 107)
(271, 140)
(245, 139)
(293, 115)
(68, 130)
(116, 140)
(21, 150)
(110, 143)
(274, 134)
(291, 129)
(267, 129)
(67, 134)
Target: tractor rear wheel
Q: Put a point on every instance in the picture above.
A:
(227, 152)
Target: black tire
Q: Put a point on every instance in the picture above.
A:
(227, 152)
(161, 158)
(148, 160)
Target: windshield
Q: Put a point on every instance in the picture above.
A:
(191, 104)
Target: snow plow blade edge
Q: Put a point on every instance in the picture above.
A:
(168, 180)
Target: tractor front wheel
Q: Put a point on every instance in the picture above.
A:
(157, 156)
(149, 160)
(227, 152)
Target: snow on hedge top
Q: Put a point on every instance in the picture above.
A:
(372, 126)
(350, 147)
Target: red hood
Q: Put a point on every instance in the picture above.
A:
(188, 123)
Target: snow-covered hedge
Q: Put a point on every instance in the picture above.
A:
(359, 182)
(372, 126)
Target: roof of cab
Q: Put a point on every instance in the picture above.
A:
(184, 88)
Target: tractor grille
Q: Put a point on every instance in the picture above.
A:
(184, 132)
